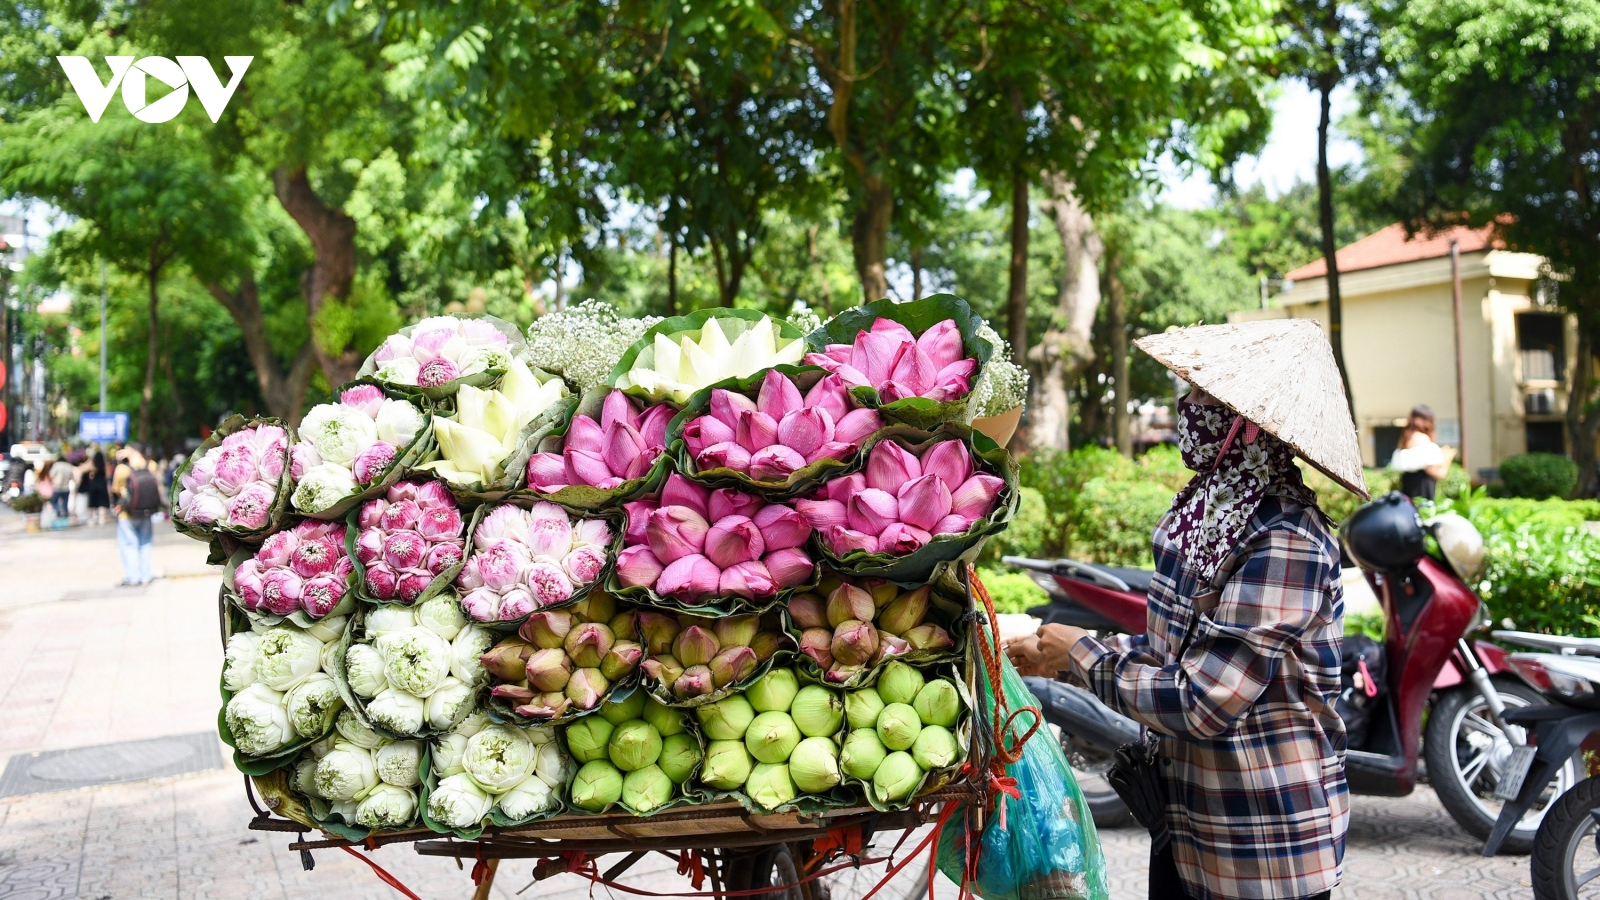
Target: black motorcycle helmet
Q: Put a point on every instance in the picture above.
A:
(1384, 535)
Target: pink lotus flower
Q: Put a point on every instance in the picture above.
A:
(584, 434)
(775, 463)
(516, 603)
(371, 513)
(549, 531)
(482, 605)
(618, 407)
(950, 461)
(976, 496)
(501, 564)
(280, 591)
(471, 577)
(313, 530)
(344, 568)
(320, 595)
(547, 472)
(591, 532)
(589, 467)
(706, 431)
(680, 491)
(441, 557)
(750, 580)
(404, 549)
(365, 397)
(413, 582)
(638, 567)
(547, 582)
(251, 507)
(303, 457)
(269, 465)
(831, 450)
(924, 501)
(899, 537)
(778, 395)
(789, 567)
(842, 489)
(501, 523)
(857, 425)
(872, 510)
(897, 365)
(843, 540)
(689, 578)
(782, 527)
(653, 428)
(726, 455)
(401, 516)
(623, 450)
(433, 343)
(727, 406)
(726, 502)
(889, 466)
(804, 430)
(430, 495)
(248, 584)
(437, 371)
(584, 564)
(829, 395)
(235, 468)
(383, 581)
(440, 523)
(756, 430)
(317, 557)
(821, 514)
(637, 513)
(734, 540)
(675, 532)
(953, 524)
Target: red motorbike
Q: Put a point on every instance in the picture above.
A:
(1427, 693)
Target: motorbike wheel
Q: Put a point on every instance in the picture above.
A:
(1466, 753)
(1566, 859)
(1089, 767)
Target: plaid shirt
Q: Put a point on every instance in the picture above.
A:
(1239, 676)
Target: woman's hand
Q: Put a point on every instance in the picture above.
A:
(1046, 653)
(1024, 654)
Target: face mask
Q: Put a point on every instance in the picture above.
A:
(1201, 430)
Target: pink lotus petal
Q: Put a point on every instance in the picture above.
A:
(942, 343)
(617, 409)
(547, 472)
(843, 541)
(680, 491)
(872, 510)
(705, 431)
(775, 463)
(789, 567)
(916, 371)
(585, 434)
(653, 428)
(778, 396)
(821, 514)
(829, 394)
(587, 467)
(842, 489)
(726, 406)
(734, 540)
(950, 461)
(902, 538)
(726, 455)
(756, 430)
(750, 580)
(782, 527)
(876, 354)
(889, 466)
(689, 578)
(638, 567)
(976, 496)
(857, 425)
(900, 332)
(924, 501)
(804, 430)
(726, 502)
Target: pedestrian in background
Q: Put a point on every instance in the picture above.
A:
(46, 487)
(97, 485)
(1420, 462)
(61, 484)
(138, 496)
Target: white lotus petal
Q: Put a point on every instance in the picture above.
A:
(669, 362)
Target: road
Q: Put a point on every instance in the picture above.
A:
(84, 664)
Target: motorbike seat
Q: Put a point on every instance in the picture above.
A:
(1137, 579)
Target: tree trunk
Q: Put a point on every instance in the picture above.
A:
(1121, 380)
(147, 395)
(1065, 348)
(815, 256)
(916, 273)
(672, 257)
(283, 392)
(1325, 85)
(333, 242)
(1581, 428)
(1017, 295)
(869, 236)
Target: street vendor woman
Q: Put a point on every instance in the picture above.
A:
(1239, 665)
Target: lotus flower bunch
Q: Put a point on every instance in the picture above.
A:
(770, 437)
(486, 428)
(441, 349)
(635, 750)
(282, 692)
(898, 365)
(235, 483)
(361, 776)
(862, 625)
(678, 365)
(774, 741)
(484, 766)
(694, 544)
(691, 656)
(900, 729)
(564, 660)
(302, 569)
(620, 447)
(348, 444)
(902, 501)
(528, 559)
(407, 538)
(416, 668)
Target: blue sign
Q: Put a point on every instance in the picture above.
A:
(103, 428)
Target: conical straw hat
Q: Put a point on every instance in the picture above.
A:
(1279, 374)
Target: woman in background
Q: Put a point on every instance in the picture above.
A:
(98, 486)
(1420, 462)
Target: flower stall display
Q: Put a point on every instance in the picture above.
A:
(847, 633)
(410, 543)
(527, 559)
(772, 435)
(440, 354)
(906, 734)
(362, 442)
(692, 660)
(490, 773)
(413, 672)
(278, 693)
(302, 573)
(602, 460)
(235, 482)
(700, 548)
(583, 342)
(775, 744)
(484, 444)
(634, 753)
(358, 781)
(680, 356)
(561, 663)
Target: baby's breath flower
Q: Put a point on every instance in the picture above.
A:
(583, 343)
(806, 319)
(1003, 386)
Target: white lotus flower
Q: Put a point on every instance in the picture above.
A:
(330, 657)
(323, 486)
(329, 629)
(305, 776)
(499, 757)
(458, 802)
(441, 614)
(398, 423)
(258, 721)
(526, 799)
(344, 809)
(286, 656)
(389, 619)
(475, 722)
(397, 711)
(387, 806)
(446, 702)
(338, 432)
(400, 370)
(347, 773)
(417, 661)
(551, 764)
(471, 642)
(445, 754)
(683, 364)
(398, 762)
(363, 671)
(475, 442)
(312, 705)
(239, 661)
(350, 728)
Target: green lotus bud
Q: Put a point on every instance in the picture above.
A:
(830, 582)
(507, 659)
(618, 711)
(597, 785)
(727, 719)
(547, 630)
(928, 636)
(587, 738)
(938, 703)
(882, 590)
(771, 737)
(737, 631)
(839, 673)
(622, 658)
(767, 643)
(814, 765)
(906, 612)
(854, 643)
(659, 631)
(770, 785)
(634, 745)
(548, 670)
(862, 753)
(680, 753)
(862, 707)
(586, 687)
(664, 669)
(667, 721)
(625, 625)
(696, 681)
(809, 611)
(645, 789)
(588, 643)
(732, 665)
(896, 777)
(898, 726)
(899, 683)
(727, 765)
(847, 603)
(774, 691)
(695, 646)
(817, 711)
(597, 606)
(935, 748)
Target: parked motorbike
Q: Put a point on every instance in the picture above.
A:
(1426, 670)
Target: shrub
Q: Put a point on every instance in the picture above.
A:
(1083, 493)
(28, 503)
(1027, 534)
(1012, 592)
(1543, 579)
(1538, 475)
(1118, 519)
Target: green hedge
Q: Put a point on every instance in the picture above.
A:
(1538, 475)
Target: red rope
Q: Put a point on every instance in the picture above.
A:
(384, 876)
